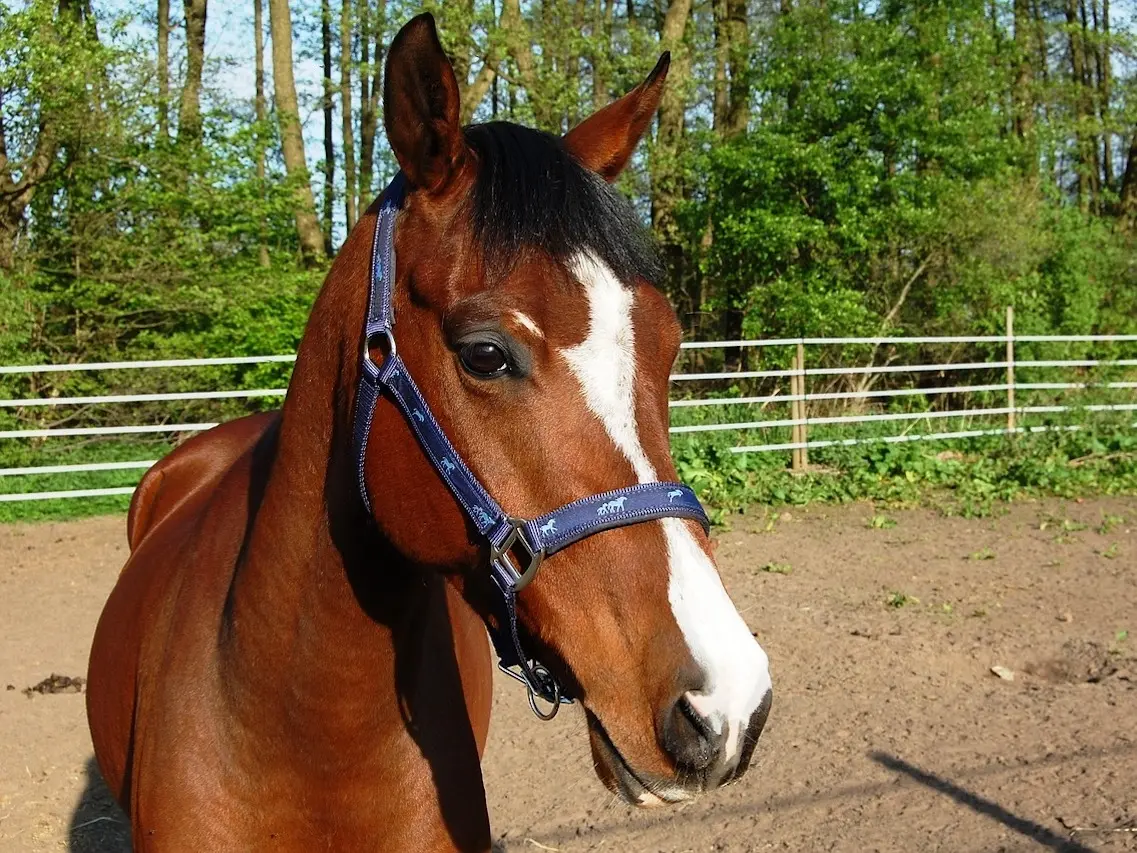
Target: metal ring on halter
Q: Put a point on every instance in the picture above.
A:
(389, 335)
(549, 683)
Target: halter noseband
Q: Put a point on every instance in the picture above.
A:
(517, 547)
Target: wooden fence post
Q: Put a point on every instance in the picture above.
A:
(1011, 369)
(798, 410)
(795, 433)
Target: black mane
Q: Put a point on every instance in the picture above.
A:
(531, 193)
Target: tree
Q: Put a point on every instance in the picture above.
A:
(372, 25)
(329, 143)
(291, 138)
(1023, 94)
(163, 69)
(260, 112)
(667, 181)
(189, 116)
(51, 52)
(349, 198)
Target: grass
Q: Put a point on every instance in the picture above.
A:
(897, 599)
(983, 554)
(777, 568)
(1109, 523)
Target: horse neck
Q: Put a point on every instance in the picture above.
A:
(304, 600)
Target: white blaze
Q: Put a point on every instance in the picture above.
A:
(734, 665)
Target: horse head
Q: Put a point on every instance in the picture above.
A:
(528, 313)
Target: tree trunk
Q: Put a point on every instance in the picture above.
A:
(163, 70)
(1105, 72)
(601, 50)
(348, 127)
(367, 121)
(1127, 201)
(189, 118)
(738, 31)
(667, 189)
(291, 136)
(1088, 91)
(1023, 109)
(329, 143)
(721, 97)
(519, 43)
(785, 9)
(731, 114)
(261, 112)
(370, 88)
(574, 61)
(1078, 80)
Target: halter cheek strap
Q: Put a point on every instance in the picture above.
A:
(517, 547)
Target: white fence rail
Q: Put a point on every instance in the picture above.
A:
(799, 419)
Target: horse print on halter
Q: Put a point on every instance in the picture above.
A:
(673, 494)
(419, 416)
(483, 517)
(549, 528)
(612, 506)
(447, 466)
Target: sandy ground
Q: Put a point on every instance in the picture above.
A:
(889, 731)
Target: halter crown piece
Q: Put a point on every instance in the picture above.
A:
(517, 547)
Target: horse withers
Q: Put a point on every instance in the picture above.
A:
(295, 655)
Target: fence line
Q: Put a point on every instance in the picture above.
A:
(52, 432)
(799, 420)
(686, 345)
(67, 493)
(142, 398)
(69, 469)
(899, 439)
(137, 365)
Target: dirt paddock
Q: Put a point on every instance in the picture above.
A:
(889, 731)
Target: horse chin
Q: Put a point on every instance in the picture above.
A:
(621, 779)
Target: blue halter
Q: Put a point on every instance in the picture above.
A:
(517, 547)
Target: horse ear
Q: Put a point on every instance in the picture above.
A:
(604, 141)
(420, 106)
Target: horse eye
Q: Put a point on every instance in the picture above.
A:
(484, 360)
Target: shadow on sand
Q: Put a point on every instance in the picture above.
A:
(981, 805)
(98, 824)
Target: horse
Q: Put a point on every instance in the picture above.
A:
(295, 654)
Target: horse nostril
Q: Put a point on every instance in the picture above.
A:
(690, 739)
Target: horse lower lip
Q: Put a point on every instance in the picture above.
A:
(629, 786)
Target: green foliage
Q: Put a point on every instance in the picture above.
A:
(968, 482)
(881, 180)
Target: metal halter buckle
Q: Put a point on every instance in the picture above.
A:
(504, 555)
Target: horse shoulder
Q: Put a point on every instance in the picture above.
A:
(189, 468)
(127, 648)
